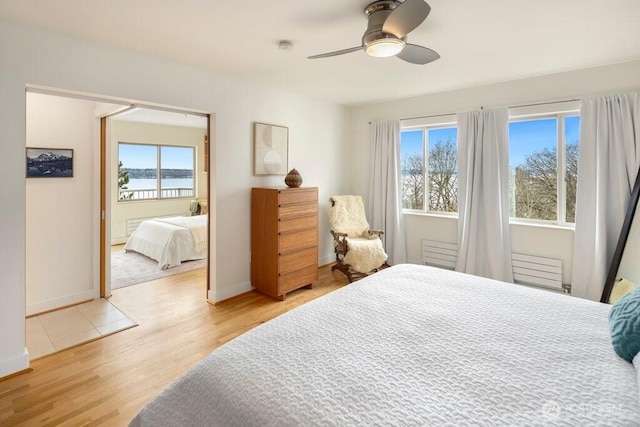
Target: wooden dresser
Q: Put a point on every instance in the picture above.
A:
(284, 239)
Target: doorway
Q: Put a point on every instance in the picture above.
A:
(157, 194)
(67, 218)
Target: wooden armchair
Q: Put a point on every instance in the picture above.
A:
(359, 251)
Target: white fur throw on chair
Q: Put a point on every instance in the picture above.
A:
(365, 255)
(347, 216)
(365, 251)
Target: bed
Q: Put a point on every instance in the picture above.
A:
(414, 345)
(171, 240)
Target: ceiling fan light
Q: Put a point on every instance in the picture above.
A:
(383, 48)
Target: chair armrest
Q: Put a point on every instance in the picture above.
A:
(376, 232)
(336, 234)
(340, 242)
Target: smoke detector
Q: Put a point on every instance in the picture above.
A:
(285, 45)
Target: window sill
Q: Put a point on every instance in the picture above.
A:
(432, 214)
(167, 199)
(542, 225)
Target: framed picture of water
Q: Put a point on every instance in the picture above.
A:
(49, 162)
(270, 149)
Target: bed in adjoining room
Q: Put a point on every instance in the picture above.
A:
(172, 240)
(414, 345)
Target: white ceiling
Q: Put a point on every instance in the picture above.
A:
(146, 115)
(480, 42)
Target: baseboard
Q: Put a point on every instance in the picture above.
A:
(118, 241)
(14, 365)
(241, 288)
(327, 260)
(229, 292)
(16, 374)
(229, 299)
(55, 303)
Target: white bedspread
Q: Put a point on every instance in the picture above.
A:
(414, 345)
(170, 240)
(197, 225)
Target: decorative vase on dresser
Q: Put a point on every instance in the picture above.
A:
(284, 239)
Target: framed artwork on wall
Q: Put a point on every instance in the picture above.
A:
(49, 162)
(270, 149)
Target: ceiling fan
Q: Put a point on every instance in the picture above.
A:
(389, 23)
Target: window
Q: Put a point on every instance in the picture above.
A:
(543, 161)
(429, 160)
(155, 172)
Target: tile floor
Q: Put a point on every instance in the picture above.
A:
(51, 332)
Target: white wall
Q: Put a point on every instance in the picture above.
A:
(148, 133)
(629, 267)
(555, 242)
(317, 132)
(59, 210)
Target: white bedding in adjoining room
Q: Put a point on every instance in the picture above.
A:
(170, 241)
(414, 345)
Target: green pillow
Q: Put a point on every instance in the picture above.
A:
(624, 321)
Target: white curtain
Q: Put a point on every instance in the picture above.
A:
(385, 191)
(484, 241)
(609, 156)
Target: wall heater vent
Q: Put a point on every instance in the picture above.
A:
(439, 254)
(537, 271)
(527, 269)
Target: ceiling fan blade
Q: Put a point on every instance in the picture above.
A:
(336, 53)
(406, 17)
(418, 54)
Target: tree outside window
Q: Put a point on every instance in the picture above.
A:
(439, 176)
(543, 184)
(123, 180)
(543, 159)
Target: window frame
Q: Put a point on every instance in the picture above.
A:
(426, 124)
(158, 178)
(560, 113)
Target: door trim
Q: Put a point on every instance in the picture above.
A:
(103, 193)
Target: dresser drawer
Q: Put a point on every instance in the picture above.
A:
(301, 209)
(298, 278)
(287, 197)
(297, 259)
(297, 240)
(297, 223)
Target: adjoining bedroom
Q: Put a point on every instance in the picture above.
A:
(62, 151)
(158, 195)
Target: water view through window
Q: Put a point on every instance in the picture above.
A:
(155, 171)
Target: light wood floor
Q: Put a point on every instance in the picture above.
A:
(107, 381)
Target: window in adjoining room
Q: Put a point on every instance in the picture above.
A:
(155, 172)
(429, 162)
(543, 163)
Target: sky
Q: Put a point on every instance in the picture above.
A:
(528, 136)
(525, 137)
(139, 156)
(411, 142)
